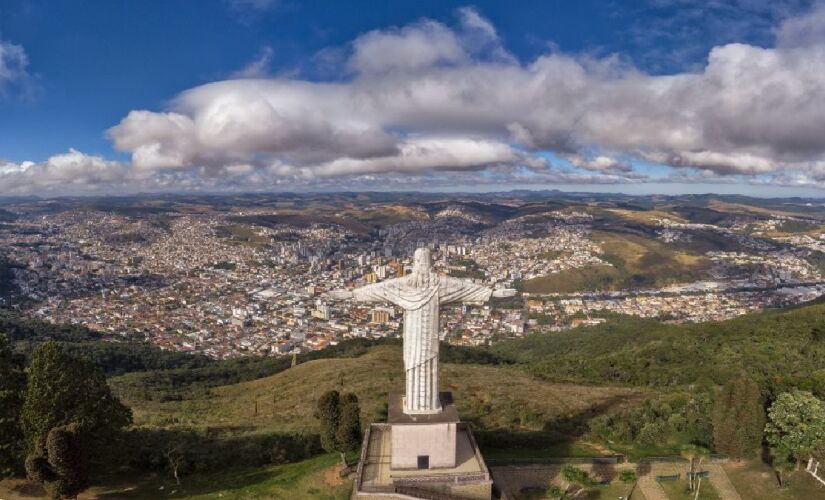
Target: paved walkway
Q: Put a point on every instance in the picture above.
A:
(511, 479)
(650, 486)
(719, 479)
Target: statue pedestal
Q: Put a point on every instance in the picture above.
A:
(421, 456)
(423, 441)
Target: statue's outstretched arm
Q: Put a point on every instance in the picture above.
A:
(340, 294)
(375, 292)
(369, 293)
(463, 290)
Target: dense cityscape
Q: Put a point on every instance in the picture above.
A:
(251, 281)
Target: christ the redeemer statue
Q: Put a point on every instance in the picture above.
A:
(420, 294)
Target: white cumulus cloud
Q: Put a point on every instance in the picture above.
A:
(72, 172)
(429, 97)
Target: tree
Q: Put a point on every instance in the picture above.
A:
(348, 435)
(781, 463)
(695, 455)
(555, 491)
(67, 410)
(578, 477)
(37, 464)
(796, 423)
(66, 457)
(629, 477)
(340, 422)
(738, 419)
(12, 389)
(59, 462)
(329, 413)
(176, 458)
(63, 390)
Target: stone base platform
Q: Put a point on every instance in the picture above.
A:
(376, 478)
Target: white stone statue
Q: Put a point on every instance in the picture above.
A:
(420, 294)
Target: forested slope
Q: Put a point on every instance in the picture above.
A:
(776, 348)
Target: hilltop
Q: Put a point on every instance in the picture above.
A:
(491, 396)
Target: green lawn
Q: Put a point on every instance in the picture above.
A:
(301, 480)
(755, 480)
(616, 490)
(566, 449)
(678, 490)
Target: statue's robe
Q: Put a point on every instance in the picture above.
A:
(421, 326)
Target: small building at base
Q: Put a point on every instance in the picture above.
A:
(425, 441)
(432, 456)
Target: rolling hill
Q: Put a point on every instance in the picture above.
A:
(636, 261)
(492, 396)
(777, 348)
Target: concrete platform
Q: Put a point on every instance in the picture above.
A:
(469, 479)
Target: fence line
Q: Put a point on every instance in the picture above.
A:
(813, 469)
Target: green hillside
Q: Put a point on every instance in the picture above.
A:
(113, 356)
(493, 397)
(635, 261)
(779, 349)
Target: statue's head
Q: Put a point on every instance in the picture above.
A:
(421, 260)
(422, 267)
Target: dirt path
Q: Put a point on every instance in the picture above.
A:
(16, 489)
(332, 476)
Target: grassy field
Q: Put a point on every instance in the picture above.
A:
(741, 208)
(635, 261)
(645, 216)
(242, 234)
(589, 278)
(384, 215)
(316, 478)
(311, 479)
(491, 397)
(796, 228)
(616, 490)
(755, 480)
(678, 490)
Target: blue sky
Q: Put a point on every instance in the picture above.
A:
(104, 96)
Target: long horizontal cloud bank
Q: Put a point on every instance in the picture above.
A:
(429, 99)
